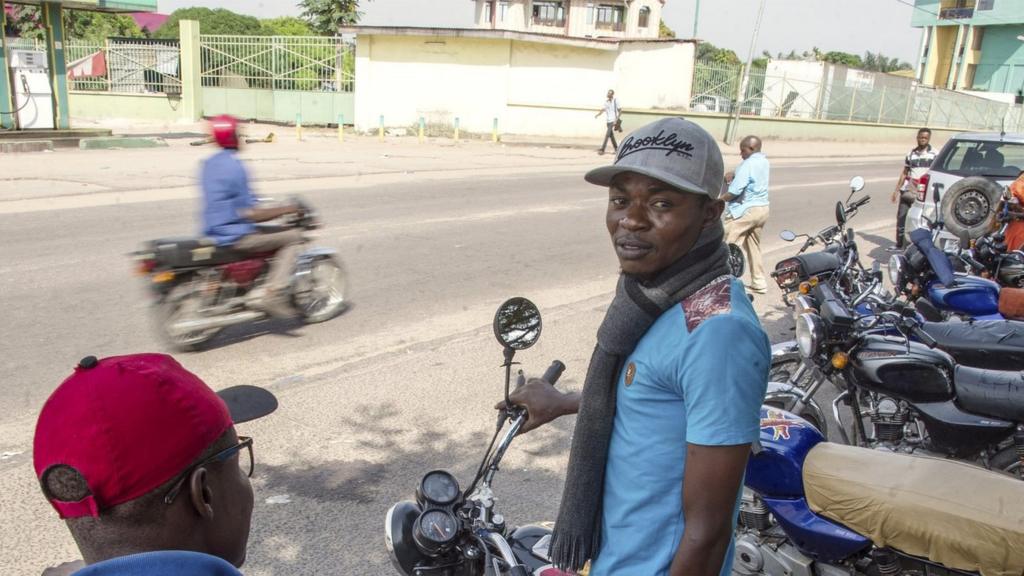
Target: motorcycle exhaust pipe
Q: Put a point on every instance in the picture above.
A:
(218, 321)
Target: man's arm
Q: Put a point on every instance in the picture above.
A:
(255, 214)
(739, 182)
(713, 477)
(899, 184)
(543, 403)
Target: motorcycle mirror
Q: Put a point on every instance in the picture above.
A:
(787, 235)
(840, 213)
(517, 324)
(857, 183)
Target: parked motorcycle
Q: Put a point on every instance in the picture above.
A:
(812, 508)
(837, 262)
(448, 531)
(201, 288)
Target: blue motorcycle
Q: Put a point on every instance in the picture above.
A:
(812, 508)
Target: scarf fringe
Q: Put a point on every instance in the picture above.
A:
(572, 554)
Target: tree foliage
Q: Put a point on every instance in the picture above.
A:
(844, 58)
(708, 52)
(326, 16)
(285, 26)
(211, 21)
(664, 31)
(93, 27)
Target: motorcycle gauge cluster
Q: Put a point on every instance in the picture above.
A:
(437, 528)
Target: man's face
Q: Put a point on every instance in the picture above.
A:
(652, 224)
(233, 501)
(746, 150)
(923, 138)
(611, 94)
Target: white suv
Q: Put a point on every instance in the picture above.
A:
(980, 165)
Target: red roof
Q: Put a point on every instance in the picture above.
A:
(149, 20)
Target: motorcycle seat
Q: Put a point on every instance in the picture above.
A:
(818, 262)
(995, 393)
(1011, 302)
(992, 344)
(958, 515)
(183, 252)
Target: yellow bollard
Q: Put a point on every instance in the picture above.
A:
(298, 127)
(341, 127)
(423, 128)
(380, 129)
(456, 129)
(494, 132)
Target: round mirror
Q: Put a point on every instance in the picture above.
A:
(857, 183)
(517, 324)
(840, 214)
(787, 235)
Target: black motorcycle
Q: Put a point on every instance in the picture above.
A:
(201, 288)
(916, 398)
(448, 531)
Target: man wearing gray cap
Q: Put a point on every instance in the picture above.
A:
(675, 382)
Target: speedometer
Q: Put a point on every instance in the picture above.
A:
(439, 487)
(435, 531)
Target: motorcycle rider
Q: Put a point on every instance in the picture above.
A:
(230, 215)
(141, 460)
(677, 378)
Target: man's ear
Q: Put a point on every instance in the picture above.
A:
(713, 211)
(200, 494)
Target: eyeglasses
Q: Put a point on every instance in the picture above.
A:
(222, 456)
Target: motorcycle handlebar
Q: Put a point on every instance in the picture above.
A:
(861, 202)
(554, 372)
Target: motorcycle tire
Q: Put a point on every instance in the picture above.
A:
(737, 261)
(1007, 462)
(177, 305)
(969, 207)
(326, 295)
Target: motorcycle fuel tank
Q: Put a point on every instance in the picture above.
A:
(775, 468)
(912, 372)
(969, 295)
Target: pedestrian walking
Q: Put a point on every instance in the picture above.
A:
(747, 208)
(612, 116)
(915, 166)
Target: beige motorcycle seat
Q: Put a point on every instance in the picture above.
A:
(955, 514)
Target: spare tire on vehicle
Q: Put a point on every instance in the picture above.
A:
(969, 206)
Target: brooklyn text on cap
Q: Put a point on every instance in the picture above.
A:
(129, 424)
(672, 150)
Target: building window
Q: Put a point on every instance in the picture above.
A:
(645, 17)
(488, 8)
(590, 14)
(611, 17)
(985, 4)
(502, 10)
(979, 37)
(548, 13)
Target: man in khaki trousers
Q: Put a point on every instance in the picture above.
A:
(747, 209)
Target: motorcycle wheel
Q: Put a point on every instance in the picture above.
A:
(323, 293)
(182, 304)
(1006, 461)
(737, 261)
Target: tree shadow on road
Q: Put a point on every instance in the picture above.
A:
(329, 516)
(880, 252)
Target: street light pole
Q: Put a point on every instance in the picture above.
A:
(696, 18)
(746, 77)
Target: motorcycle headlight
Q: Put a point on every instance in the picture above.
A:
(809, 334)
(802, 305)
(896, 267)
(398, 537)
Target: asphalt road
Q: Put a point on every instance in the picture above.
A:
(400, 384)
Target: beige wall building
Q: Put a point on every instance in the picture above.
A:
(530, 83)
(579, 18)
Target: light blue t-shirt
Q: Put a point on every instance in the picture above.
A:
(698, 376)
(163, 563)
(750, 180)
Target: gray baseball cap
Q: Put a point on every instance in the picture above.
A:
(672, 150)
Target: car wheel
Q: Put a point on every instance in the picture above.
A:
(969, 206)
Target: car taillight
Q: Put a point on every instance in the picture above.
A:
(922, 187)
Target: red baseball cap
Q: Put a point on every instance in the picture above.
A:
(129, 424)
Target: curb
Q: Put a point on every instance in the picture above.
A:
(26, 146)
(116, 142)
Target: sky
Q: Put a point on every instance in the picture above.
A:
(875, 25)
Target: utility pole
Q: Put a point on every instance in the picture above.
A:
(746, 77)
(696, 18)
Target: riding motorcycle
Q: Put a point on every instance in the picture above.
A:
(448, 531)
(917, 398)
(838, 261)
(200, 288)
(813, 508)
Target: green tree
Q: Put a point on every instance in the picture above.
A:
(664, 31)
(844, 58)
(326, 16)
(93, 27)
(708, 52)
(285, 26)
(215, 21)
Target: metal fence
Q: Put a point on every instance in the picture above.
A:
(128, 66)
(310, 63)
(821, 91)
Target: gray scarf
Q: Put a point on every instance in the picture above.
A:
(636, 306)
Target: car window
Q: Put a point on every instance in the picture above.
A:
(977, 158)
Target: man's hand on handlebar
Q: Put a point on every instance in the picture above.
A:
(543, 403)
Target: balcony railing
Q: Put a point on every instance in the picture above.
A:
(555, 22)
(956, 13)
(613, 26)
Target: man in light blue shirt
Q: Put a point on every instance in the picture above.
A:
(747, 208)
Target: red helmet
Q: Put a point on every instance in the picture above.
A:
(225, 130)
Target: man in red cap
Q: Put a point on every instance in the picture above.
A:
(230, 214)
(141, 460)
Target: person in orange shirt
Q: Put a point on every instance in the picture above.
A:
(1015, 231)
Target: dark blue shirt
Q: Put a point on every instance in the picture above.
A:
(225, 196)
(168, 563)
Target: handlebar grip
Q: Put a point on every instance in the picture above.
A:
(925, 338)
(554, 372)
